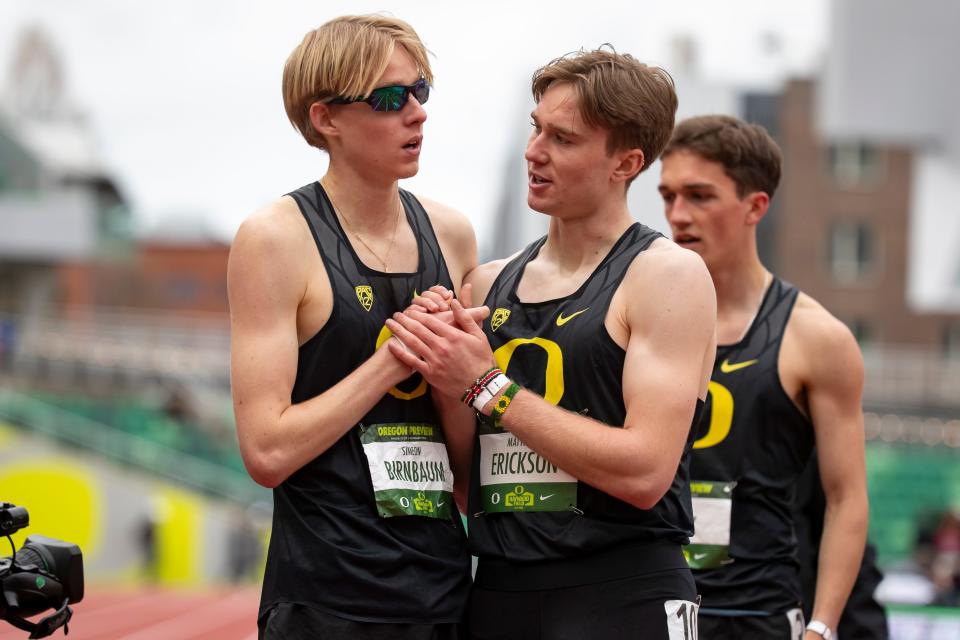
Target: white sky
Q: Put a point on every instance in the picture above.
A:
(185, 99)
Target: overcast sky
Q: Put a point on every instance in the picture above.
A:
(184, 95)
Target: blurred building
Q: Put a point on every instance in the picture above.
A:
(891, 81)
(179, 269)
(58, 202)
(82, 297)
(844, 235)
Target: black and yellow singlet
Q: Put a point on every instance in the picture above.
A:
(752, 445)
(367, 530)
(526, 512)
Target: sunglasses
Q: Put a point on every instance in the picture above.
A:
(391, 98)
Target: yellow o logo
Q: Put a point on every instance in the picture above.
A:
(553, 383)
(386, 334)
(721, 416)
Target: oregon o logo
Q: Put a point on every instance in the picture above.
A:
(721, 416)
(553, 379)
(386, 334)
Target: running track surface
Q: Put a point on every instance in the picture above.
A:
(158, 614)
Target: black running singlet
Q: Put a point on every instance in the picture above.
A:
(752, 445)
(366, 530)
(524, 509)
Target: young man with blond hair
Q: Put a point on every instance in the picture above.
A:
(578, 500)
(365, 541)
(787, 375)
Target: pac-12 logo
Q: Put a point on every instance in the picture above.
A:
(500, 316)
(365, 295)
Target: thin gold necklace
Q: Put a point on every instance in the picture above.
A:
(350, 229)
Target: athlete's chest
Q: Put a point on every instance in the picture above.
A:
(542, 281)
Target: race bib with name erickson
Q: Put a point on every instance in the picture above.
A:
(515, 478)
(409, 468)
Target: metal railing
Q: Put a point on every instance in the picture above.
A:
(129, 448)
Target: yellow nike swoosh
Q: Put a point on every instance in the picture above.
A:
(562, 321)
(726, 367)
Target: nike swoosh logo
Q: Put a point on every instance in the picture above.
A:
(726, 367)
(440, 504)
(543, 497)
(699, 556)
(562, 321)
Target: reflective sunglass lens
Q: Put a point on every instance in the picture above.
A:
(394, 98)
(421, 91)
(388, 98)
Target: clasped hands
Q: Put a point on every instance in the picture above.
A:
(449, 352)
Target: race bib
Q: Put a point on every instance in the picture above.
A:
(515, 478)
(681, 619)
(712, 505)
(410, 469)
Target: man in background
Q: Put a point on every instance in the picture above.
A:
(787, 375)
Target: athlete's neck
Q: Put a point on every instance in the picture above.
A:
(574, 244)
(369, 207)
(740, 288)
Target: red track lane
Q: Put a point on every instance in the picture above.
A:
(155, 614)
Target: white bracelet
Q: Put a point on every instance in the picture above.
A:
(819, 627)
(489, 390)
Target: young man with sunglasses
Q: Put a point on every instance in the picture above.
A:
(787, 374)
(366, 541)
(586, 379)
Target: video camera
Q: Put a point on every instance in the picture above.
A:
(44, 574)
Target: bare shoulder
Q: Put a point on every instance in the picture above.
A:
(277, 225)
(816, 328)
(455, 235)
(825, 345)
(272, 244)
(668, 295)
(483, 276)
(668, 268)
(449, 224)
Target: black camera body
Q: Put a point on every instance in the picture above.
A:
(45, 573)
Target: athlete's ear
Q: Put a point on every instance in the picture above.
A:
(322, 120)
(757, 204)
(630, 163)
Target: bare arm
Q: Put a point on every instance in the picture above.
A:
(834, 389)
(267, 280)
(663, 376)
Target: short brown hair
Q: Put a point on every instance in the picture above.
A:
(634, 102)
(748, 154)
(344, 57)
